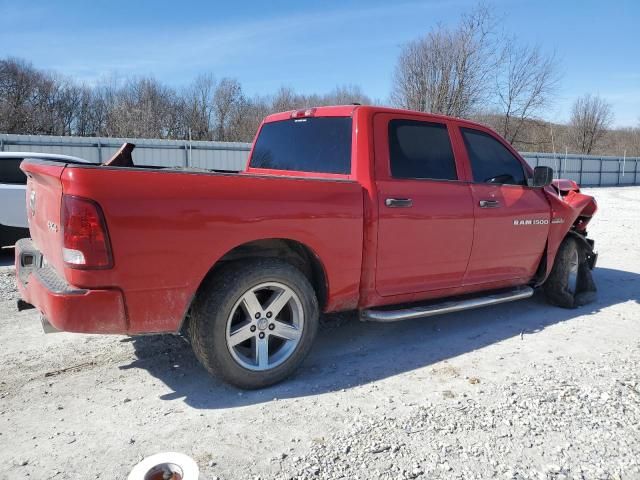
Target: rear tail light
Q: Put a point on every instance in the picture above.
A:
(86, 241)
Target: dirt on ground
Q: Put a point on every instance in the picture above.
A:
(516, 391)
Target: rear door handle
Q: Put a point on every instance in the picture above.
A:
(398, 202)
(489, 203)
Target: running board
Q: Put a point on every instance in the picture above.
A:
(386, 316)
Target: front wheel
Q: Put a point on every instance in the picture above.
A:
(254, 322)
(570, 283)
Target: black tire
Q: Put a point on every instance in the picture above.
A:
(214, 303)
(558, 289)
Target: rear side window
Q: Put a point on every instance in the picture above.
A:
(492, 162)
(10, 171)
(420, 150)
(320, 144)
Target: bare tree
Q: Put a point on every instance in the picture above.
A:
(227, 100)
(90, 113)
(448, 71)
(23, 95)
(250, 115)
(36, 102)
(591, 116)
(525, 84)
(65, 105)
(345, 95)
(286, 99)
(198, 107)
(621, 141)
(144, 108)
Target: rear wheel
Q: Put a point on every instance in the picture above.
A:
(570, 283)
(253, 322)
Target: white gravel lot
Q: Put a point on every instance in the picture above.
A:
(517, 391)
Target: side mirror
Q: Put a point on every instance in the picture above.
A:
(542, 176)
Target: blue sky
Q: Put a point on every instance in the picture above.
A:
(313, 46)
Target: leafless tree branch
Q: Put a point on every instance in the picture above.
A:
(591, 116)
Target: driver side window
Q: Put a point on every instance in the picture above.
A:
(490, 161)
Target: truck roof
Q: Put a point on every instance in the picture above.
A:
(348, 111)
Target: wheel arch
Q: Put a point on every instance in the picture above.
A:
(547, 261)
(291, 251)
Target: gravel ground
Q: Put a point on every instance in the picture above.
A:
(516, 391)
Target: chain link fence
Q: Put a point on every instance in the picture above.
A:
(587, 170)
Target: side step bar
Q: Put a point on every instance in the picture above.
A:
(386, 316)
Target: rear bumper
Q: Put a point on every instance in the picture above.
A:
(64, 306)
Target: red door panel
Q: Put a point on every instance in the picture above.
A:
(424, 239)
(511, 219)
(427, 246)
(502, 249)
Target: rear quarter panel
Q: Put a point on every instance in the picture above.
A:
(168, 229)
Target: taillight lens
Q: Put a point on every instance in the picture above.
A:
(86, 241)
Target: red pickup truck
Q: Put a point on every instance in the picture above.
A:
(395, 213)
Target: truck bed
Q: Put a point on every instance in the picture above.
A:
(190, 219)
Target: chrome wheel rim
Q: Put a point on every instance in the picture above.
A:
(265, 326)
(573, 271)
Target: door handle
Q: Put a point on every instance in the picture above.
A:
(398, 202)
(489, 203)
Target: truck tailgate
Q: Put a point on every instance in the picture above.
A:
(43, 197)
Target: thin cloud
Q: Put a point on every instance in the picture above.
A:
(98, 51)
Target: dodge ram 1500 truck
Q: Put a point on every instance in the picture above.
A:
(394, 213)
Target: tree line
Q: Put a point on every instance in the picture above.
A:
(33, 101)
(467, 70)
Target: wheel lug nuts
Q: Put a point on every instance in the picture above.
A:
(253, 328)
(261, 335)
(271, 326)
(257, 315)
(269, 314)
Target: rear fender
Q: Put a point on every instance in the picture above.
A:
(571, 211)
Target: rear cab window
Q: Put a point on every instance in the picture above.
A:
(319, 145)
